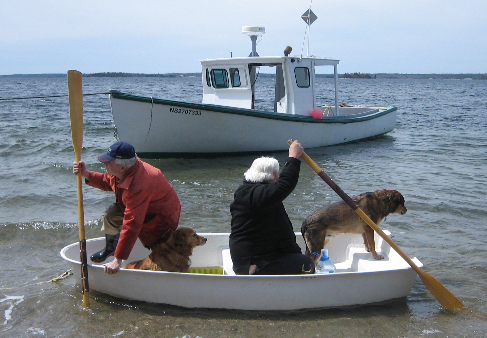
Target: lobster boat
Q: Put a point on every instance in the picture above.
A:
(228, 120)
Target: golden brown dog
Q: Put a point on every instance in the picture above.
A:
(172, 255)
(337, 218)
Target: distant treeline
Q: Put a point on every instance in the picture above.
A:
(120, 74)
(432, 76)
(356, 75)
(413, 76)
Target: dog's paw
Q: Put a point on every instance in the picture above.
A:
(377, 256)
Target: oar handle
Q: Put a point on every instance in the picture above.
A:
(327, 179)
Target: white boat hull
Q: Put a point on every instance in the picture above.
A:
(359, 279)
(173, 127)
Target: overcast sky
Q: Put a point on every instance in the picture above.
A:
(150, 36)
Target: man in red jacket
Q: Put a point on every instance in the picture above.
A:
(146, 205)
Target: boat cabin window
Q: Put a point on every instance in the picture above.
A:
(219, 78)
(235, 77)
(302, 77)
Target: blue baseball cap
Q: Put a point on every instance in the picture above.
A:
(122, 150)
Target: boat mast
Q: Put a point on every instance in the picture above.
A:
(309, 17)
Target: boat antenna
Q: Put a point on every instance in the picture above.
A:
(309, 17)
(253, 32)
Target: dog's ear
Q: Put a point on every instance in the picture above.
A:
(179, 237)
(397, 198)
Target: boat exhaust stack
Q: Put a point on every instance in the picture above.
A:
(253, 32)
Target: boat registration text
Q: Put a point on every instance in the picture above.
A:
(184, 111)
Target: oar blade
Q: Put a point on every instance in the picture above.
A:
(75, 98)
(440, 292)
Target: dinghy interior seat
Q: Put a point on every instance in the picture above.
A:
(227, 262)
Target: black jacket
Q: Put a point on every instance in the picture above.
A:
(261, 228)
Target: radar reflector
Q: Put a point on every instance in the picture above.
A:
(309, 17)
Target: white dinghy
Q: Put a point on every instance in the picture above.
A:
(227, 120)
(211, 283)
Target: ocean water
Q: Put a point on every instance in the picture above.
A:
(436, 157)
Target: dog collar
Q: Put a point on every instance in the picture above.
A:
(315, 254)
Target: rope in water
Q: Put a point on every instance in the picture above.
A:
(62, 276)
(46, 97)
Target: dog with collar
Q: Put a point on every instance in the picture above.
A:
(319, 227)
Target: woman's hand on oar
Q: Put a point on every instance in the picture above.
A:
(440, 292)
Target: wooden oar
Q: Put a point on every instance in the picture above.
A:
(75, 95)
(440, 292)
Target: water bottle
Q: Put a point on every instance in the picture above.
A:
(325, 265)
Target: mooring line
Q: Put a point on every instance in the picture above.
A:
(46, 97)
(62, 276)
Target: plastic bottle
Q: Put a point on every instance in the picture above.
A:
(325, 265)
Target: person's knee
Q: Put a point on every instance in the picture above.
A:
(113, 211)
(112, 219)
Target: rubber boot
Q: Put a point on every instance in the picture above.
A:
(109, 250)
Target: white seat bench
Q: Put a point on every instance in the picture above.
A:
(227, 262)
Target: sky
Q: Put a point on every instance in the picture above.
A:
(162, 36)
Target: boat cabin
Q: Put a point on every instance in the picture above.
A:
(231, 82)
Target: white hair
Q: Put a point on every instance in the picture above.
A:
(262, 169)
(128, 162)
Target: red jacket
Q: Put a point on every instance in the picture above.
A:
(150, 205)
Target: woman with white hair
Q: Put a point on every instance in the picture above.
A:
(262, 240)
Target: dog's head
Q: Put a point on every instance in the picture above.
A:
(396, 202)
(187, 237)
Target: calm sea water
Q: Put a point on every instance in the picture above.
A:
(436, 157)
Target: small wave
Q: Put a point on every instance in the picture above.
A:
(48, 225)
(11, 302)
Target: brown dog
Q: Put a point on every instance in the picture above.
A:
(172, 255)
(337, 218)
